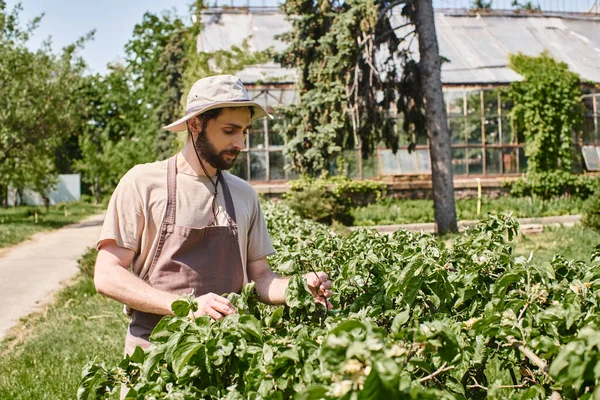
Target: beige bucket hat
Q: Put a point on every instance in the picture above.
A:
(217, 91)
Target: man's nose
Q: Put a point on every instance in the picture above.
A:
(239, 141)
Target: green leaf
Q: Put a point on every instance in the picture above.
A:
(183, 353)
(399, 321)
(184, 306)
(312, 392)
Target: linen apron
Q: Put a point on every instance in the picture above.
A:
(200, 259)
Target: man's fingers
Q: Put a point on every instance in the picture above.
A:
(325, 285)
(223, 300)
(214, 314)
(323, 277)
(316, 279)
(223, 308)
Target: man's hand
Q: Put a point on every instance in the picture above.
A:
(320, 287)
(214, 305)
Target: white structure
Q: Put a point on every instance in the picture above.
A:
(67, 189)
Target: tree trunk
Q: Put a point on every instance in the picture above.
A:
(437, 123)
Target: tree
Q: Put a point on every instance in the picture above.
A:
(115, 134)
(354, 68)
(437, 122)
(172, 63)
(155, 60)
(38, 106)
(346, 55)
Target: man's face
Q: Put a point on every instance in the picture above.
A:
(222, 139)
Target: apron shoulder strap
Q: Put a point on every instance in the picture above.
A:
(228, 199)
(168, 221)
(171, 191)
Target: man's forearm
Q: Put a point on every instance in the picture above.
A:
(271, 287)
(120, 284)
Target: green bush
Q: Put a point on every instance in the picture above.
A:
(329, 199)
(591, 216)
(549, 185)
(87, 261)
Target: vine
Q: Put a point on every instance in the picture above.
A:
(547, 111)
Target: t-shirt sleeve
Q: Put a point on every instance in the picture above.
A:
(124, 221)
(259, 241)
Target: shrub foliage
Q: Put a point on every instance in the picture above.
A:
(413, 318)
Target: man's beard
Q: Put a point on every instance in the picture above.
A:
(206, 150)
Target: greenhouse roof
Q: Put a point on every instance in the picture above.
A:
(476, 45)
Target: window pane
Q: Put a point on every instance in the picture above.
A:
(590, 133)
(505, 105)
(459, 163)
(371, 167)
(288, 97)
(273, 98)
(421, 139)
(275, 139)
(408, 162)
(457, 129)
(404, 138)
(240, 166)
(258, 96)
(475, 161)
(490, 103)
(276, 165)
(509, 161)
(454, 102)
(522, 161)
(423, 160)
(507, 133)
(492, 130)
(474, 117)
(588, 103)
(258, 166)
(256, 137)
(492, 161)
(350, 164)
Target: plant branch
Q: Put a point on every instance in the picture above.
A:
(541, 364)
(443, 368)
(389, 7)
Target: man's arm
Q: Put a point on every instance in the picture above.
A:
(112, 279)
(271, 287)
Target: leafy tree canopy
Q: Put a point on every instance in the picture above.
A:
(347, 55)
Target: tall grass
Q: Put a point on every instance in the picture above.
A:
(392, 211)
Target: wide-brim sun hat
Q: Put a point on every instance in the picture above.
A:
(219, 91)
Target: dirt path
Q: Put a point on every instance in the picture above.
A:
(32, 271)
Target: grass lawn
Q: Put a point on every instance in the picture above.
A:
(391, 211)
(44, 357)
(19, 223)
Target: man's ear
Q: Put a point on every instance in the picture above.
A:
(194, 125)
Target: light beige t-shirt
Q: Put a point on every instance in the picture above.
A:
(138, 204)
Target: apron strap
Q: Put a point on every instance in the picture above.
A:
(168, 221)
(171, 191)
(228, 201)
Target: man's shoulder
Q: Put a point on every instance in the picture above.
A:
(238, 186)
(144, 172)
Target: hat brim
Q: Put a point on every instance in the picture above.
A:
(181, 124)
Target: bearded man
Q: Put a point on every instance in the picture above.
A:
(185, 225)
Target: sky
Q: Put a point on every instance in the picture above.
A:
(67, 20)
